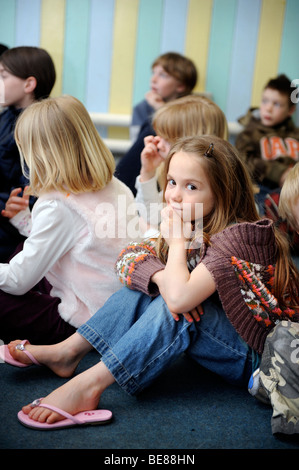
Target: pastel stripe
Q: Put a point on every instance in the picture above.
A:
(148, 43)
(268, 49)
(197, 38)
(220, 50)
(28, 22)
(174, 26)
(7, 22)
(103, 49)
(242, 65)
(100, 55)
(76, 47)
(289, 55)
(52, 36)
(125, 26)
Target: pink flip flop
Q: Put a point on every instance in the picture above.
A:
(5, 355)
(93, 417)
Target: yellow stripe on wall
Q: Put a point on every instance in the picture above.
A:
(197, 37)
(122, 73)
(125, 29)
(52, 36)
(268, 47)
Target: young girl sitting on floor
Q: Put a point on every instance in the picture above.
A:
(65, 270)
(215, 299)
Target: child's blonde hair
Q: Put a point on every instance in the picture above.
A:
(289, 195)
(187, 116)
(62, 148)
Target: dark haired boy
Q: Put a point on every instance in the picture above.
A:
(270, 141)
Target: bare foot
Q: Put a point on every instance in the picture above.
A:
(82, 393)
(61, 358)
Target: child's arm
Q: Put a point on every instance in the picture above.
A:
(183, 291)
(53, 233)
(135, 266)
(150, 158)
(17, 211)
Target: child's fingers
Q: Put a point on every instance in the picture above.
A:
(15, 192)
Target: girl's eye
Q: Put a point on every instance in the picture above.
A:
(171, 182)
(191, 186)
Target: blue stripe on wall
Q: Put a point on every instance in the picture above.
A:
(221, 42)
(7, 22)
(174, 26)
(147, 45)
(242, 65)
(28, 22)
(100, 55)
(289, 54)
(75, 47)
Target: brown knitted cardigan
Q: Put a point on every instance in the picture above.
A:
(241, 260)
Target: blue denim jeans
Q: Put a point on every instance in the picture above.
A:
(138, 339)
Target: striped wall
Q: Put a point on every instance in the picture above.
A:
(103, 49)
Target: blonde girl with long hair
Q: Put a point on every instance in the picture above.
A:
(65, 268)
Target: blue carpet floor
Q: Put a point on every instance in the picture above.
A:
(187, 408)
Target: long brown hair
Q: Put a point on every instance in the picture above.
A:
(234, 203)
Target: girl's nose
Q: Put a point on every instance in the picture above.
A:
(153, 78)
(177, 194)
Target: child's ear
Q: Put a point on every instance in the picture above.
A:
(181, 88)
(30, 84)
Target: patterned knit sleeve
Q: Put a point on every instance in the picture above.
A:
(135, 266)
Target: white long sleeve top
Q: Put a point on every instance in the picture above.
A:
(67, 246)
(149, 202)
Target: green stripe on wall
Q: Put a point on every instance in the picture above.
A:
(76, 47)
(147, 45)
(7, 22)
(220, 50)
(289, 53)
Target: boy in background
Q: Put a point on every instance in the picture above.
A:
(173, 76)
(270, 141)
